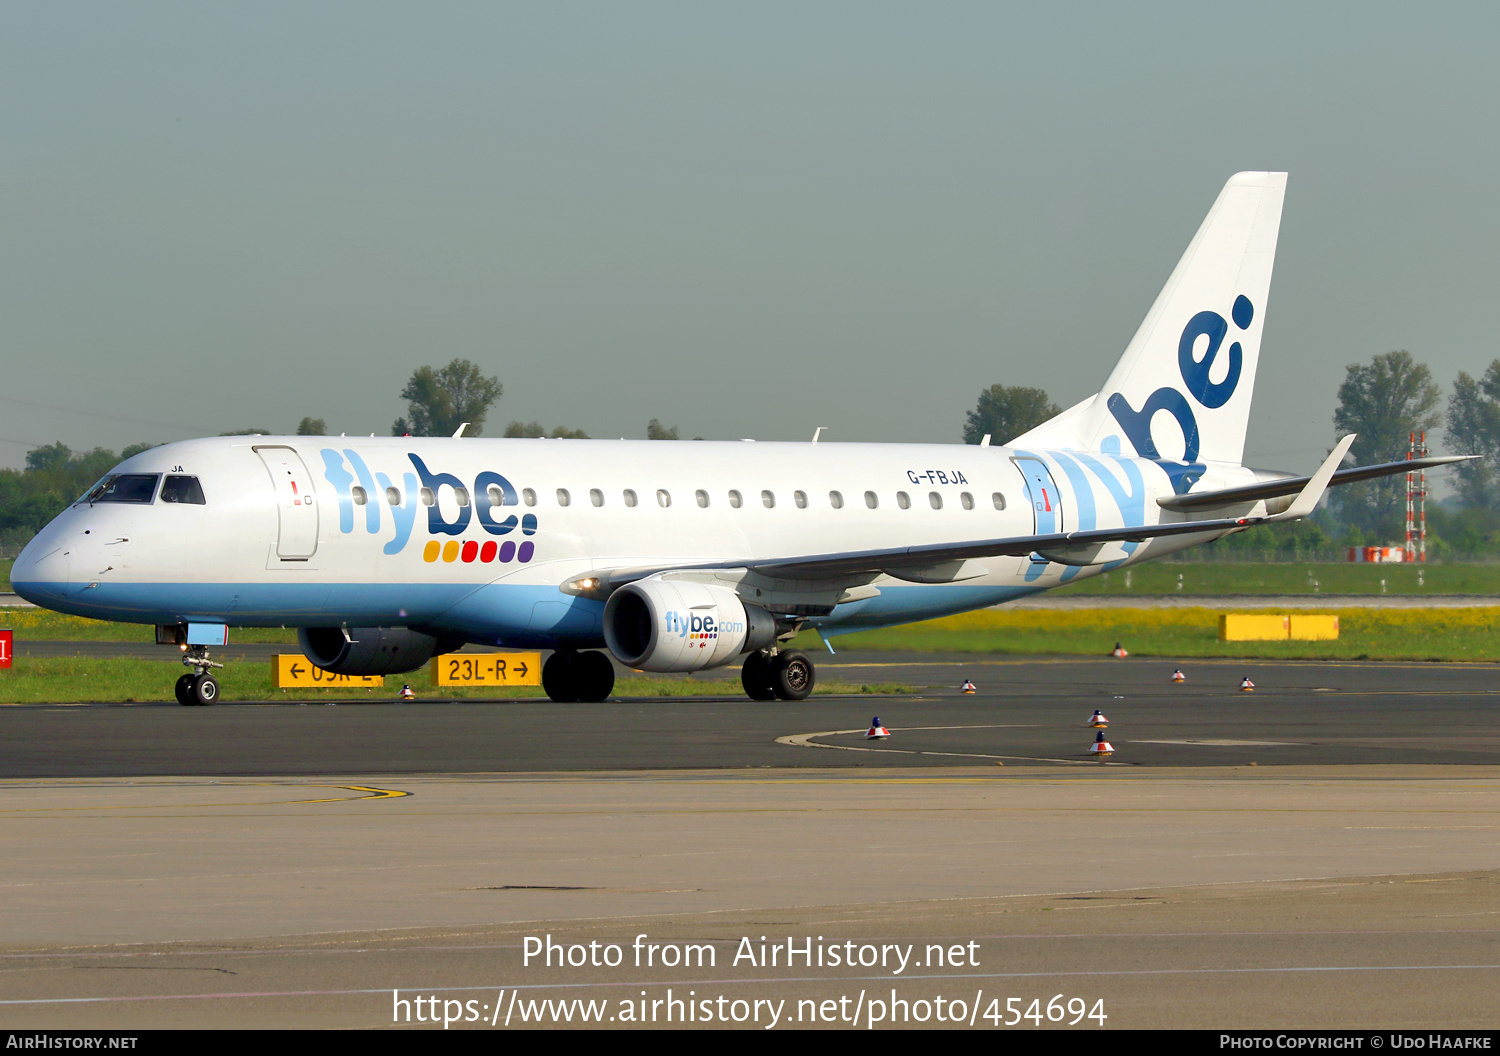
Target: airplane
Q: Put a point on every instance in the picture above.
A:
(385, 552)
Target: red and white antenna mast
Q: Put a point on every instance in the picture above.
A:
(1422, 499)
(1416, 500)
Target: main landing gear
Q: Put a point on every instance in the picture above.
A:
(570, 677)
(773, 674)
(198, 687)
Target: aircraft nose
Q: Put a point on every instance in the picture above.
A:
(42, 572)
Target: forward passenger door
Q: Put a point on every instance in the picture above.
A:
(296, 503)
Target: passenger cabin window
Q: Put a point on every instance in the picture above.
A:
(183, 489)
(629, 497)
(903, 500)
(663, 498)
(800, 498)
(836, 500)
(357, 493)
(497, 497)
(702, 498)
(563, 498)
(427, 497)
(768, 500)
(871, 500)
(126, 487)
(393, 496)
(735, 500)
(999, 500)
(462, 495)
(935, 500)
(596, 496)
(528, 496)
(967, 500)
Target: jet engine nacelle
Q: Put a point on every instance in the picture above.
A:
(370, 650)
(679, 625)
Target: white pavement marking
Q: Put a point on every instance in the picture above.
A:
(1219, 743)
(805, 740)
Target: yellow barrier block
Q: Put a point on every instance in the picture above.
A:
(1245, 627)
(295, 671)
(487, 669)
(1312, 628)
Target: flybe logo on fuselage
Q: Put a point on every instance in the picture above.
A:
(356, 487)
(1195, 377)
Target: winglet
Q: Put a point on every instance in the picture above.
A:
(1307, 499)
(460, 430)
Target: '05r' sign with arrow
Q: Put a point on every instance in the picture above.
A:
(292, 671)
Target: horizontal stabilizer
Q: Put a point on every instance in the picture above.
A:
(1272, 489)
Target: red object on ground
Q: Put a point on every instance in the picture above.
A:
(7, 645)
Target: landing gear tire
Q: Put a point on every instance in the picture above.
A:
(755, 676)
(205, 690)
(560, 677)
(594, 676)
(792, 676)
(184, 691)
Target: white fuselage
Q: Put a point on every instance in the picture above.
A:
(325, 531)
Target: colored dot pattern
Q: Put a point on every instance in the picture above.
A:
(470, 551)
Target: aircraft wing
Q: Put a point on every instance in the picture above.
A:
(1308, 494)
(832, 565)
(823, 565)
(1272, 489)
(894, 559)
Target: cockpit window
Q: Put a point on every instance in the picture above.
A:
(124, 487)
(182, 489)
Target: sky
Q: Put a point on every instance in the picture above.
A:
(748, 220)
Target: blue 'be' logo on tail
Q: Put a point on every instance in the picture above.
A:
(1136, 424)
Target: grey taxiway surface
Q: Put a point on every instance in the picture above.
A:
(1323, 851)
(1027, 712)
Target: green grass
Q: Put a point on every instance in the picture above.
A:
(1467, 634)
(1207, 579)
(89, 679)
(5, 564)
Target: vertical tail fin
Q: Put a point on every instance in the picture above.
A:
(1181, 392)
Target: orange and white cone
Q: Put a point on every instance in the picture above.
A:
(1097, 721)
(1178, 676)
(1119, 652)
(969, 687)
(1101, 749)
(1246, 685)
(407, 694)
(876, 731)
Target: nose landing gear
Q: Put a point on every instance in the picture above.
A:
(199, 687)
